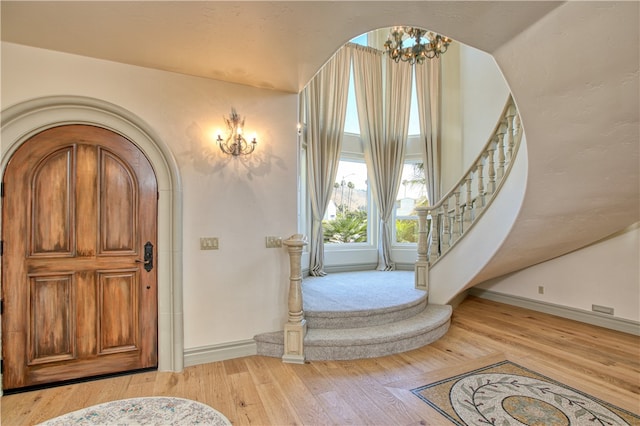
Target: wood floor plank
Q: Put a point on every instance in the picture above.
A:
(246, 398)
(294, 390)
(165, 384)
(217, 389)
(354, 394)
(340, 411)
(259, 390)
(139, 384)
(380, 395)
(274, 400)
(565, 353)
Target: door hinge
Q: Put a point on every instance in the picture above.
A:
(1, 247)
(158, 195)
(1, 306)
(2, 190)
(1, 366)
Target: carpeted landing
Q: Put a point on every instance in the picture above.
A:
(365, 314)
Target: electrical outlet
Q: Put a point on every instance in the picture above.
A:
(273, 242)
(540, 289)
(209, 243)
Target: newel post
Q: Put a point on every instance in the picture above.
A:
(422, 263)
(296, 327)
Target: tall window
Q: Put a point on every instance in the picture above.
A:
(350, 224)
(346, 218)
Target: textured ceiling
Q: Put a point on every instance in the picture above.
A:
(578, 100)
(274, 45)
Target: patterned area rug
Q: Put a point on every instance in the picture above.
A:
(144, 411)
(508, 394)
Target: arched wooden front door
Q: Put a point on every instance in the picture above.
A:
(79, 281)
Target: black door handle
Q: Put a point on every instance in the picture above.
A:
(148, 256)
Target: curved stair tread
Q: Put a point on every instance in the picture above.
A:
(433, 317)
(365, 318)
(365, 312)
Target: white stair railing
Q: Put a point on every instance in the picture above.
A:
(457, 211)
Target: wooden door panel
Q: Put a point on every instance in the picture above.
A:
(117, 206)
(118, 311)
(52, 318)
(86, 181)
(52, 205)
(80, 203)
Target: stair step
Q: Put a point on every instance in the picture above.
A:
(379, 340)
(365, 317)
(365, 342)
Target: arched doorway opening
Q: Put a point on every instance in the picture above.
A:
(26, 119)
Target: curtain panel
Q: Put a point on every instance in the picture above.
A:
(382, 96)
(428, 87)
(325, 100)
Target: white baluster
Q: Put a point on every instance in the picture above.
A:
(491, 187)
(422, 263)
(500, 147)
(479, 205)
(434, 251)
(457, 217)
(468, 214)
(510, 132)
(446, 233)
(517, 128)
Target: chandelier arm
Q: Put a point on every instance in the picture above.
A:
(427, 44)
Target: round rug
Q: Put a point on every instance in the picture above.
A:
(156, 410)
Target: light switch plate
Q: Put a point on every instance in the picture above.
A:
(273, 242)
(209, 243)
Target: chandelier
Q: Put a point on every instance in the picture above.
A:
(234, 143)
(428, 45)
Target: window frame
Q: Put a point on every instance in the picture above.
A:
(350, 154)
(411, 158)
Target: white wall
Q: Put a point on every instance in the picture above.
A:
(451, 119)
(484, 92)
(474, 93)
(606, 273)
(240, 290)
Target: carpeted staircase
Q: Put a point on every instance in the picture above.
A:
(365, 314)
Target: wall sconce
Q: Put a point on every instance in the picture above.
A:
(235, 144)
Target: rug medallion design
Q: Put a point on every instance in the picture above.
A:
(144, 411)
(507, 394)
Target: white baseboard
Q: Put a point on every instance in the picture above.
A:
(405, 266)
(458, 299)
(221, 352)
(350, 268)
(593, 318)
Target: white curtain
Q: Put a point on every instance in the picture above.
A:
(325, 103)
(383, 96)
(428, 92)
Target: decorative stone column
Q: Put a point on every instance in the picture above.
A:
(296, 327)
(422, 264)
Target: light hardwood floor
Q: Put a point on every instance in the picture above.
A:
(264, 391)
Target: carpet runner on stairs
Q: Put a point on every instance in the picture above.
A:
(355, 315)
